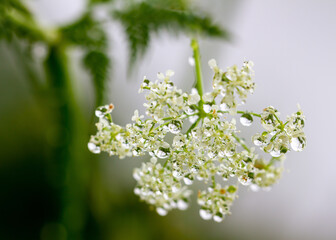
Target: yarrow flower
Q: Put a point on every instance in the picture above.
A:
(205, 145)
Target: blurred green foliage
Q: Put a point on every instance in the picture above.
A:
(51, 186)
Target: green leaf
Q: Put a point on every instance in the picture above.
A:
(86, 33)
(98, 64)
(16, 20)
(142, 19)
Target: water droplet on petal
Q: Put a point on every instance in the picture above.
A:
(93, 148)
(182, 205)
(245, 181)
(275, 153)
(188, 180)
(246, 119)
(298, 143)
(176, 174)
(104, 110)
(193, 119)
(190, 111)
(145, 82)
(218, 217)
(136, 153)
(161, 211)
(229, 152)
(257, 142)
(191, 61)
(162, 152)
(205, 214)
(206, 108)
(174, 126)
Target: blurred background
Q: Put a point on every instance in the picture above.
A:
(52, 187)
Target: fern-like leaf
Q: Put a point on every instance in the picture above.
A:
(98, 65)
(140, 20)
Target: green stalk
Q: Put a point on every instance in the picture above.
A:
(68, 159)
(198, 71)
(241, 142)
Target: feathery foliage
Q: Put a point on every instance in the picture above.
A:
(16, 20)
(142, 19)
(89, 35)
(97, 63)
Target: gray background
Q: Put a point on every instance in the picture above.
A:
(292, 44)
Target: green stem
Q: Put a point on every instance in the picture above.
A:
(166, 162)
(252, 113)
(242, 112)
(198, 70)
(28, 23)
(67, 153)
(241, 142)
(213, 181)
(193, 125)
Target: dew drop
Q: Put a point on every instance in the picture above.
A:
(205, 214)
(218, 217)
(275, 153)
(225, 177)
(182, 205)
(93, 148)
(224, 107)
(191, 61)
(136, 153)
(162, 152)
(176, 174)
(229, 152)
(192, 119)
(188, 180)
(257, 142)
(246, 119)
(145, 83)
(206, 108)
(161, 211)
(104, 110)
(174, 126)
(190, 111)
(298, 144)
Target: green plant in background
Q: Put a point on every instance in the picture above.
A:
(72, 175)
(210, 150)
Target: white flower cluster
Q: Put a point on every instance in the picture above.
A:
(156, 186)
(278, 135)
(215, 203)
(208, 150)
(234, 80)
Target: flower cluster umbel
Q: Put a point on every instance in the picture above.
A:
(207, 149)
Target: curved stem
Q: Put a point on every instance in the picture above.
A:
(241, 142)
(193, 125)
